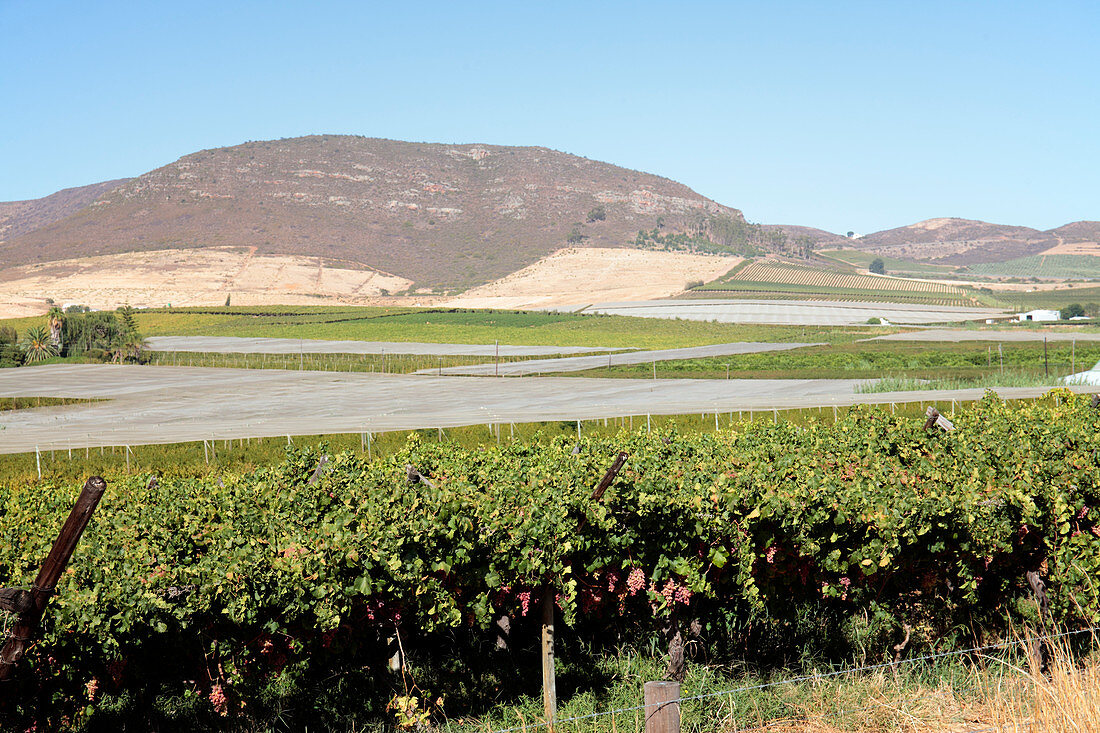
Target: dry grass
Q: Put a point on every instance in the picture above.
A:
(997, 696)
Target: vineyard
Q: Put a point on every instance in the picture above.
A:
(858, 258)
(1073, 267)
(285, 593)
(762, 276)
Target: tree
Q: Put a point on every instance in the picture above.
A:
(37, 345)
(54, 320)
(1073, 310)
(576, 236)
(10, 353)
(126, 318)
(227, 300)
(851, 234)
(877, 266)
(597, 214)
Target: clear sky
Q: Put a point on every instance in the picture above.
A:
(840, 115)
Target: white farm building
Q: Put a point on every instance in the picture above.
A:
(1039, 315)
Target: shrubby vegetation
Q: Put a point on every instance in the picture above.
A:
(725, 235)
(281, 594)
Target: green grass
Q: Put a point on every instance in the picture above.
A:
(24, 403)
(915, 696)
(992, 379)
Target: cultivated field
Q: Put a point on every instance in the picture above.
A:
(1047, 265)
(764, 278)
(861, 259)
(758, 310)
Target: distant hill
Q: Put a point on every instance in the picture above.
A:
(443, 216)
(1078, 231)
(436, 217)
(956, 241)
(21, 217)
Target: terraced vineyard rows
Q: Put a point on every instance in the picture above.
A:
(782, 273)
(776, 279)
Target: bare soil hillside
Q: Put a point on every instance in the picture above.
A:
(579, 276)
(189, 277)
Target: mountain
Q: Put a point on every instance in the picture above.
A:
(442, 216)
(1078, 231)
(957, 241)
(20, 217)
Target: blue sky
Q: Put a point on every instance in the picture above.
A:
(841, 115)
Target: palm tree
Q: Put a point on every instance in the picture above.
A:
(37, 345)
(54, 319)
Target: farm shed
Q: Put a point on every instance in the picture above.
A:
(1039, 315)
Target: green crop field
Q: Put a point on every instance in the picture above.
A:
(765, 278)
(1072, 267)
(461, 326)
(878, 359)
(1053, 299)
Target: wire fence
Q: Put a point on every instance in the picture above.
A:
(806, 678)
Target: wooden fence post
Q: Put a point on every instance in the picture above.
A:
(549, 684)
(29, 605)
(662, 707)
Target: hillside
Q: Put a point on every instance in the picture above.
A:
(442, 216)
(21, 217)
(957, 241)
(1078, 231)
(821, 238)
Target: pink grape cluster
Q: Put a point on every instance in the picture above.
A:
(92, 687)
(635, 581)
(525, 602)
(673, 592)
(219, 701)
